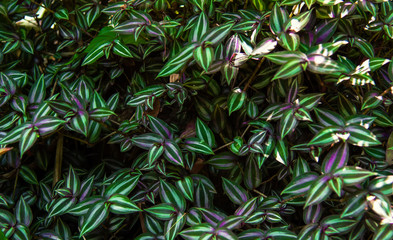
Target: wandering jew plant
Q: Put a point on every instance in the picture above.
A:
(196, 119)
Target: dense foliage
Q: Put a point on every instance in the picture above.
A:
(196, 119)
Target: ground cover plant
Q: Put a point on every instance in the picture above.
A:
(196, 119)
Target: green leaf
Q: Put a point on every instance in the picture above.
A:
(62, 13)
(353, 175)
(174, 226)
(300, 184)
(217, 34)
(122, 50)
(236, 100)
(122, 186)
(28, 137)
(61, 206)
(170, 194)
(94, 217)
(94, 55)
(319, 191)
(154, 153)
(336, 158)
(288, 123)
(328, 135)
(320, 64)
(178, 61)
(28, 175)
(234, 191)
(163, 211)
(23, 213)
(355, 206)
(120, 204)
(197, 146)
(199, 28)
(289, 69)
(173, 153)
(204, 56)
(80, 122)
(278, 18)
(359, 136)
(186, 187)
(204, 133)
(195, 232)
(27, 46)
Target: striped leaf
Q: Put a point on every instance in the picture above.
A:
(120, 204)
(38, 91)
(204, 133)
(309, 101)
(223, 161)
(300, 184)
(28, 175)
(178, 61)
(27, 46)
(204, 56)
(186, 187)
(264, 47)
(328, 118)
(61, 206)
(336, 185)
(84, 206)
(320, 64)
(147, 140)
(100, 113)
(94, 217)
(163, 211)
(169, 194)
(289, 41)
(154, 153)
(252, 173)
(289, 69)
(278, 18)
(359, 136)
(95, 54)
(122, 50)
(355, 206)
(47, 124)
(288, 123)
(173, 153)
(234, 191)
(200, 27)
(80, 122)
(122, 186)
(284, 57)
(195, 232)
(197, 146)
(21, 232)
(336, 158)
(231, 222)
(174, 226)
(236, 100)
(247, 208)
(353, 175)
(319, 191)
(23, 213)
(160, 127)
(327, 136)
(28, 137)
(281, 234)
(312, 214)
(217, 34)
(72, 181)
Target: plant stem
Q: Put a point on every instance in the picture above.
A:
(58, 160)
